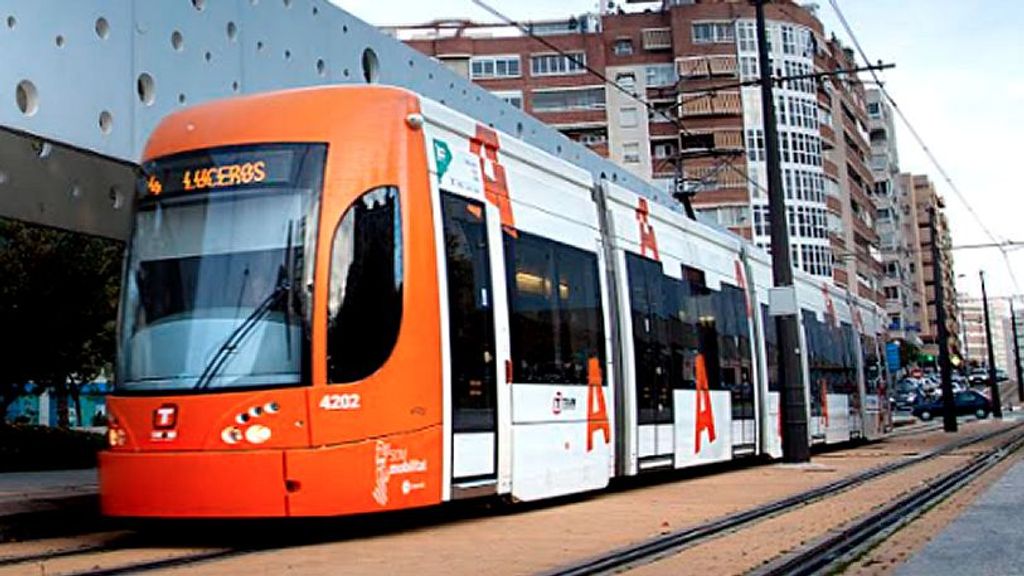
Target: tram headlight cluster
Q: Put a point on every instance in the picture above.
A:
(116, 437)
(231, 435)
(254, 433)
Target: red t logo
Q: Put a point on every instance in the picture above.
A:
(165, 417)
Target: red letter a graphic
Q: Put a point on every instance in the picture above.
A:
(705, 417)
(597, 414)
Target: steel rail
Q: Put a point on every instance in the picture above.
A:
(655, 548)
(842, 546)
(164, 563)
(56, 554)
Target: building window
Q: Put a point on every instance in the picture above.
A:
(484, 67)
(559, 100)
(631, 153)
(755, 145)
(661, 75)
(558, 64)
(513, 97)
(748, 68)
(628, 118)
(592, 138)
(788, 40)
(623, 47)
(874, 109)
(626, 81)
(664, 150)
(713, 32)
(747, 32)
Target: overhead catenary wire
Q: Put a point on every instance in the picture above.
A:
(920, 141)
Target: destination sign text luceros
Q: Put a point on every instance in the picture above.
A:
(224, 176)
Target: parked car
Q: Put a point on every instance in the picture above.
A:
(1001, 375)
(978, 376)
(966, 402)
(908, 393)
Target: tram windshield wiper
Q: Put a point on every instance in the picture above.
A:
(240, 333)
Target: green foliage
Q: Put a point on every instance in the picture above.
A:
(909, 354)
(29, 448)
(58, 308)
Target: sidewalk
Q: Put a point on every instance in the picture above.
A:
(30, 492)
(988, 538)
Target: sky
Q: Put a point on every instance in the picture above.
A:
(959, 78)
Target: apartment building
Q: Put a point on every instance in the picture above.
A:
(898, 288)
(679, 89)
(918, 201)
(975, 344)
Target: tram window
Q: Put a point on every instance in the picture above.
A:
(831, 359)
(652, 307)
(735, 350)
(364, 307)
(873, 375)
(470, 313)
(847, 383)
(554, 310)
(708, 323)
(771, 348)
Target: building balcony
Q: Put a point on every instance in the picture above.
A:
(830, 168)
(828, 137)
(707, 66)
(721, 104)
(656, 38)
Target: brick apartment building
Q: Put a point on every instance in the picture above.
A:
(688, 59)
(898, 285)
(917, 198)
(974, 343)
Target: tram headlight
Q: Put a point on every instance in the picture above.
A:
(257, 434)
(231, 435)
(116, 437)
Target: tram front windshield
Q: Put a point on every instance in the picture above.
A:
(222, 252)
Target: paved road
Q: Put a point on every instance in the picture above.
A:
(987, 539)
(22, 492)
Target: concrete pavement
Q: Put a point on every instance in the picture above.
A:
(987, 539)
(30, 492)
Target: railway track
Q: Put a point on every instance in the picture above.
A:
(100, 561)
(842, 546)
(138, 552)
(660, 547)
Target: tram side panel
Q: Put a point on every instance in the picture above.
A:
(770, 424)
(687, 351)
(560, 419)
(831, 370)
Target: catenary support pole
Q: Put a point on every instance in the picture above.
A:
(1016, 353)
(795, 442)
(997, 401)
(942, 333)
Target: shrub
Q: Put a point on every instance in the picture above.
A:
(28, 448)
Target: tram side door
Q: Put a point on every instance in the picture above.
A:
(651, 363)
(471, 342)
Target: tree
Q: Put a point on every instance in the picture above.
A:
(58, 306)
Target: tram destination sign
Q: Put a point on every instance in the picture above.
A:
(212, 169)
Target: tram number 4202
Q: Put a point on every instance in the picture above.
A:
(340, 402)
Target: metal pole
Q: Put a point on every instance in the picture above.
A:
(795, 445)
(942, 337)
(997, 401)
(1016, 353)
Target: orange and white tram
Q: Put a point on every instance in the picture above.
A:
(343, 300)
